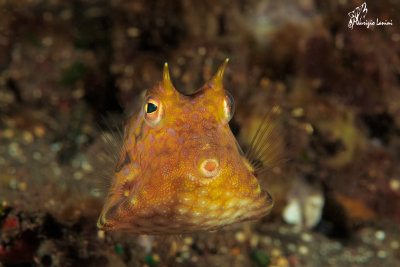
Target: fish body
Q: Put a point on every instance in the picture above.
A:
(180, 169)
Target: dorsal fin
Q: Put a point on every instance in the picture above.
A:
(266, 147)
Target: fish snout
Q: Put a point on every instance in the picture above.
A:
(207, 163)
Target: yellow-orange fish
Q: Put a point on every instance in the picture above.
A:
(180, 169)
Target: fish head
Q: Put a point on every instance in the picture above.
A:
(180, 168)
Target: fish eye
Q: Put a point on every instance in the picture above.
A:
(228, 107)
(153, 111)
(151, 107)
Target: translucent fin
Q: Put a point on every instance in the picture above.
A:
(106, 154)
(266, 147)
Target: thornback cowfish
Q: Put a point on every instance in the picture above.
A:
(180, 168)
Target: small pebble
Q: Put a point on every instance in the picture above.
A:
(55, 147)
(381, 254)
(195, 258)
(367, 236)
(188, 241)
(100, 234)
(306, 237)
(202, 51)
(254, 241)
(277, 243)
(313, 207)
(282, 262)
(292, 213)
(186, 255)
(240, 237)
(308, 127)
(394, 184)
(332, 261)
(291, 247)
(95, 193)
(133, 32)
(276, 252)
(380, 235)
(39, 131)
(22, 186)
(347, 255)
(365, 256)
(13, 184)
(337, 246)
(14, 150)
(394, 244)
(86, 166)
(8, 133)
(147, 242)
(303, 250)
(47, 41)
(266, 240)
(156, 257)
(81, 139)
(28, 137)
(297, 112)
(78, 175)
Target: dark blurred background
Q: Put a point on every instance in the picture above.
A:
(65, 65)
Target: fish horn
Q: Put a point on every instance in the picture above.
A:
(216, 80)
(166, 82)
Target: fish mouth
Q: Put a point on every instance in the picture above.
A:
(206, 164)
(209, 167)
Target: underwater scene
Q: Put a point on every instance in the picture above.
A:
(199, 133)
